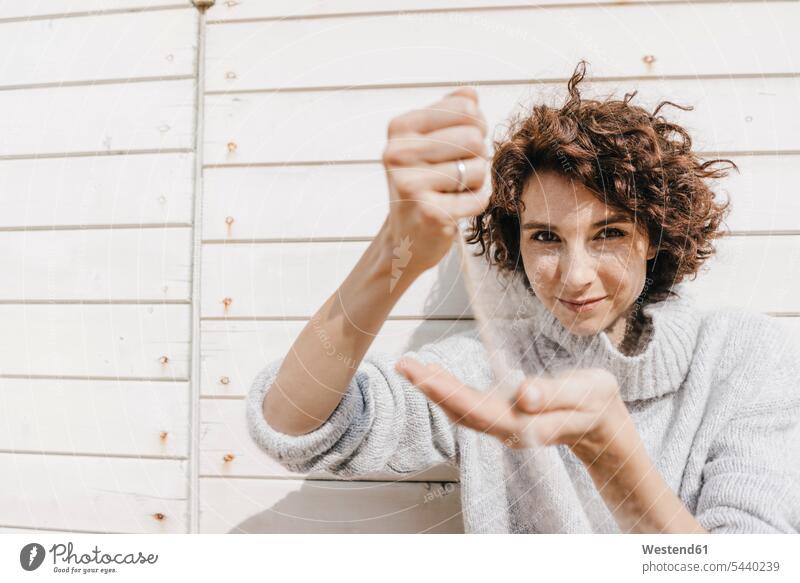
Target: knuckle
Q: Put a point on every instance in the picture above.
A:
(397, 125)
(396, 154)
(482, 124)
(389, 157)
(473, 140)
(528, 394)
(466, 106)
(481, 178)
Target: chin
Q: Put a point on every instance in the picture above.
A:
(586, 325)
(581, 328)
(578, 326)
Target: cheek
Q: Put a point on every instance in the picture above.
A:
(623, 270)
(540, 267)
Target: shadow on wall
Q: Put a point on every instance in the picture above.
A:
(447, 291)
(333, 507)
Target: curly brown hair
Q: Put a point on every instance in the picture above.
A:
(637, 162)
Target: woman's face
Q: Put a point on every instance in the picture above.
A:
(585, 261)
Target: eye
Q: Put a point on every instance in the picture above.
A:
(547, 234)
(611, 232)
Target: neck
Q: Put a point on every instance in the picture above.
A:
(664, 336)
(623, 332)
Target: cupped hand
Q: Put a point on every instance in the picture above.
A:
(581, 408)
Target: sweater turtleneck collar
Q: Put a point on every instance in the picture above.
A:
(661, 360)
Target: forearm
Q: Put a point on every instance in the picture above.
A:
(321, 363)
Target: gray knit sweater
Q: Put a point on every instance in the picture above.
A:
(714, 395)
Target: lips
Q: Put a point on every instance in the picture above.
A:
(582, 305)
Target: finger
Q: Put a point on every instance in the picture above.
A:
(451, 143)
(566, 426)
(569, 390)
(453, 206)
(466, 91)
(480, 421)
(452, 110)
(444, 177)
(441, 177)
(469, 407)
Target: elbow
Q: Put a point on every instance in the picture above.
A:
(285, 416)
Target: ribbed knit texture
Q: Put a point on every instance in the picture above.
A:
(715, 396)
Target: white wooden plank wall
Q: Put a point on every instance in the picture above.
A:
(97, 160)
(298, 95)
(97, 182)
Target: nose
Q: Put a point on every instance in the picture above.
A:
(578, 269)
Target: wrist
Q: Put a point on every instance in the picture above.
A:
(397, 256)
(615, 439)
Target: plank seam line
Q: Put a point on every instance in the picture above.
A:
(98, 227)
(104, 455)
(36, 377)
(366, 482)
(523, 81)
(326, 163)
(95, 153)
(94, 82)
(88, 13)
(501, 8)
(193, 481)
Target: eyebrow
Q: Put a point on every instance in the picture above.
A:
(615, 218)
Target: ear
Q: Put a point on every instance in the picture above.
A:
(651, 251)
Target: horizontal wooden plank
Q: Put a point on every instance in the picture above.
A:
(95, 417)
(224, 434)
(111, 340)
(228, 451)
(730, 115)
(500, 45)
(233, 352)
(251, 9)
(147, 189)
(93, 493)
(760, 273)
(765, 194)
(97, 264)
(294, 506)
(293, 202)
(97, 118)
(351, 200)
(114, 46)
(293, 279)
(38, 8)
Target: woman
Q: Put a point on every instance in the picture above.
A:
(663, 417)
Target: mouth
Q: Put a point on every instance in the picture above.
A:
(580, 306)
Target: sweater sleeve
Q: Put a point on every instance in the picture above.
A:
(382, 424)
(751, 479)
